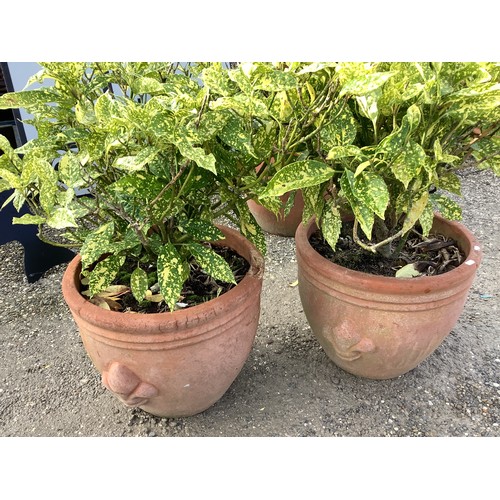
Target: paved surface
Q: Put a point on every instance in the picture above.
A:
(288, 387)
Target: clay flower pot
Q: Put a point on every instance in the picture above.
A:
(279, 225)
(172, 364)
(381, 327)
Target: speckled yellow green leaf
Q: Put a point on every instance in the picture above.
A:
(297, 175)
(172, 274)
(212, 263)
(139, 283)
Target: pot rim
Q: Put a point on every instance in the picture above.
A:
(387, 284)
(175, 321)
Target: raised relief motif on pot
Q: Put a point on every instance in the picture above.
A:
(127, 386)
(347, 343)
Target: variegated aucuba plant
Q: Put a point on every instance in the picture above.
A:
(389, 149)
(127, 165)
(278, 108)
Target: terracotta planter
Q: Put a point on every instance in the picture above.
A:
(280, 225)
(381, 327)
(172, 364)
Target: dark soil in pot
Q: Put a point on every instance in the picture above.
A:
(433, 255)
(199, 288)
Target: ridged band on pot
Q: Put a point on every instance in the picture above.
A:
(279, 224)
(172, 364)
(380, 327)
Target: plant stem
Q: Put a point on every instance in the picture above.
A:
(41, 237)
(373, 247)
(170, 183)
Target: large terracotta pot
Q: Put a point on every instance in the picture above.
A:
(172, 364)
(381, 327)
(280, 225)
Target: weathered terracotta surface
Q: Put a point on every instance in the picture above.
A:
(381, 327)
(280, 225)
(172, 364)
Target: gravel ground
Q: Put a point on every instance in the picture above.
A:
(288, 386)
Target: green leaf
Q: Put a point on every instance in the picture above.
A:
(371, 189)
(361, 167)
(341, 131)
(136, 191)
(4, 185)
(172, 274)
(47, 178)
(196, 154)
(104, 273)
(338, 152)
(275, 81)
(263, 139)
(96, 244)
(139, 283)
(147, 85)
(9, 199)
(274, 205)
(409, 163)
(364, 215)
(250, 229)
(61, 217)
(212, 263)
(18, 200)
(313, 203)
(281, 108)
(297, 175)
(331, 224)
(368, 105)
(84, 113)
(28, 219)
(13, 180)
(137, 185)
(487, 151)
(5, 145)
(395, 143)
(413, 115)
(289, 204)
(448, 208)
(416, 210)
(137, 162)
(426, 219)
(210, 124)
(28, 99)
(313, 68)
(362, 84)
(440, 157)
(450, 182)
(70, 171)
(408, 271)
(235, 135)
(438, 150)
(217, 79)
(200, 229)
(243, 105)
(163, 126)
(106, 109)
(242, 76)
